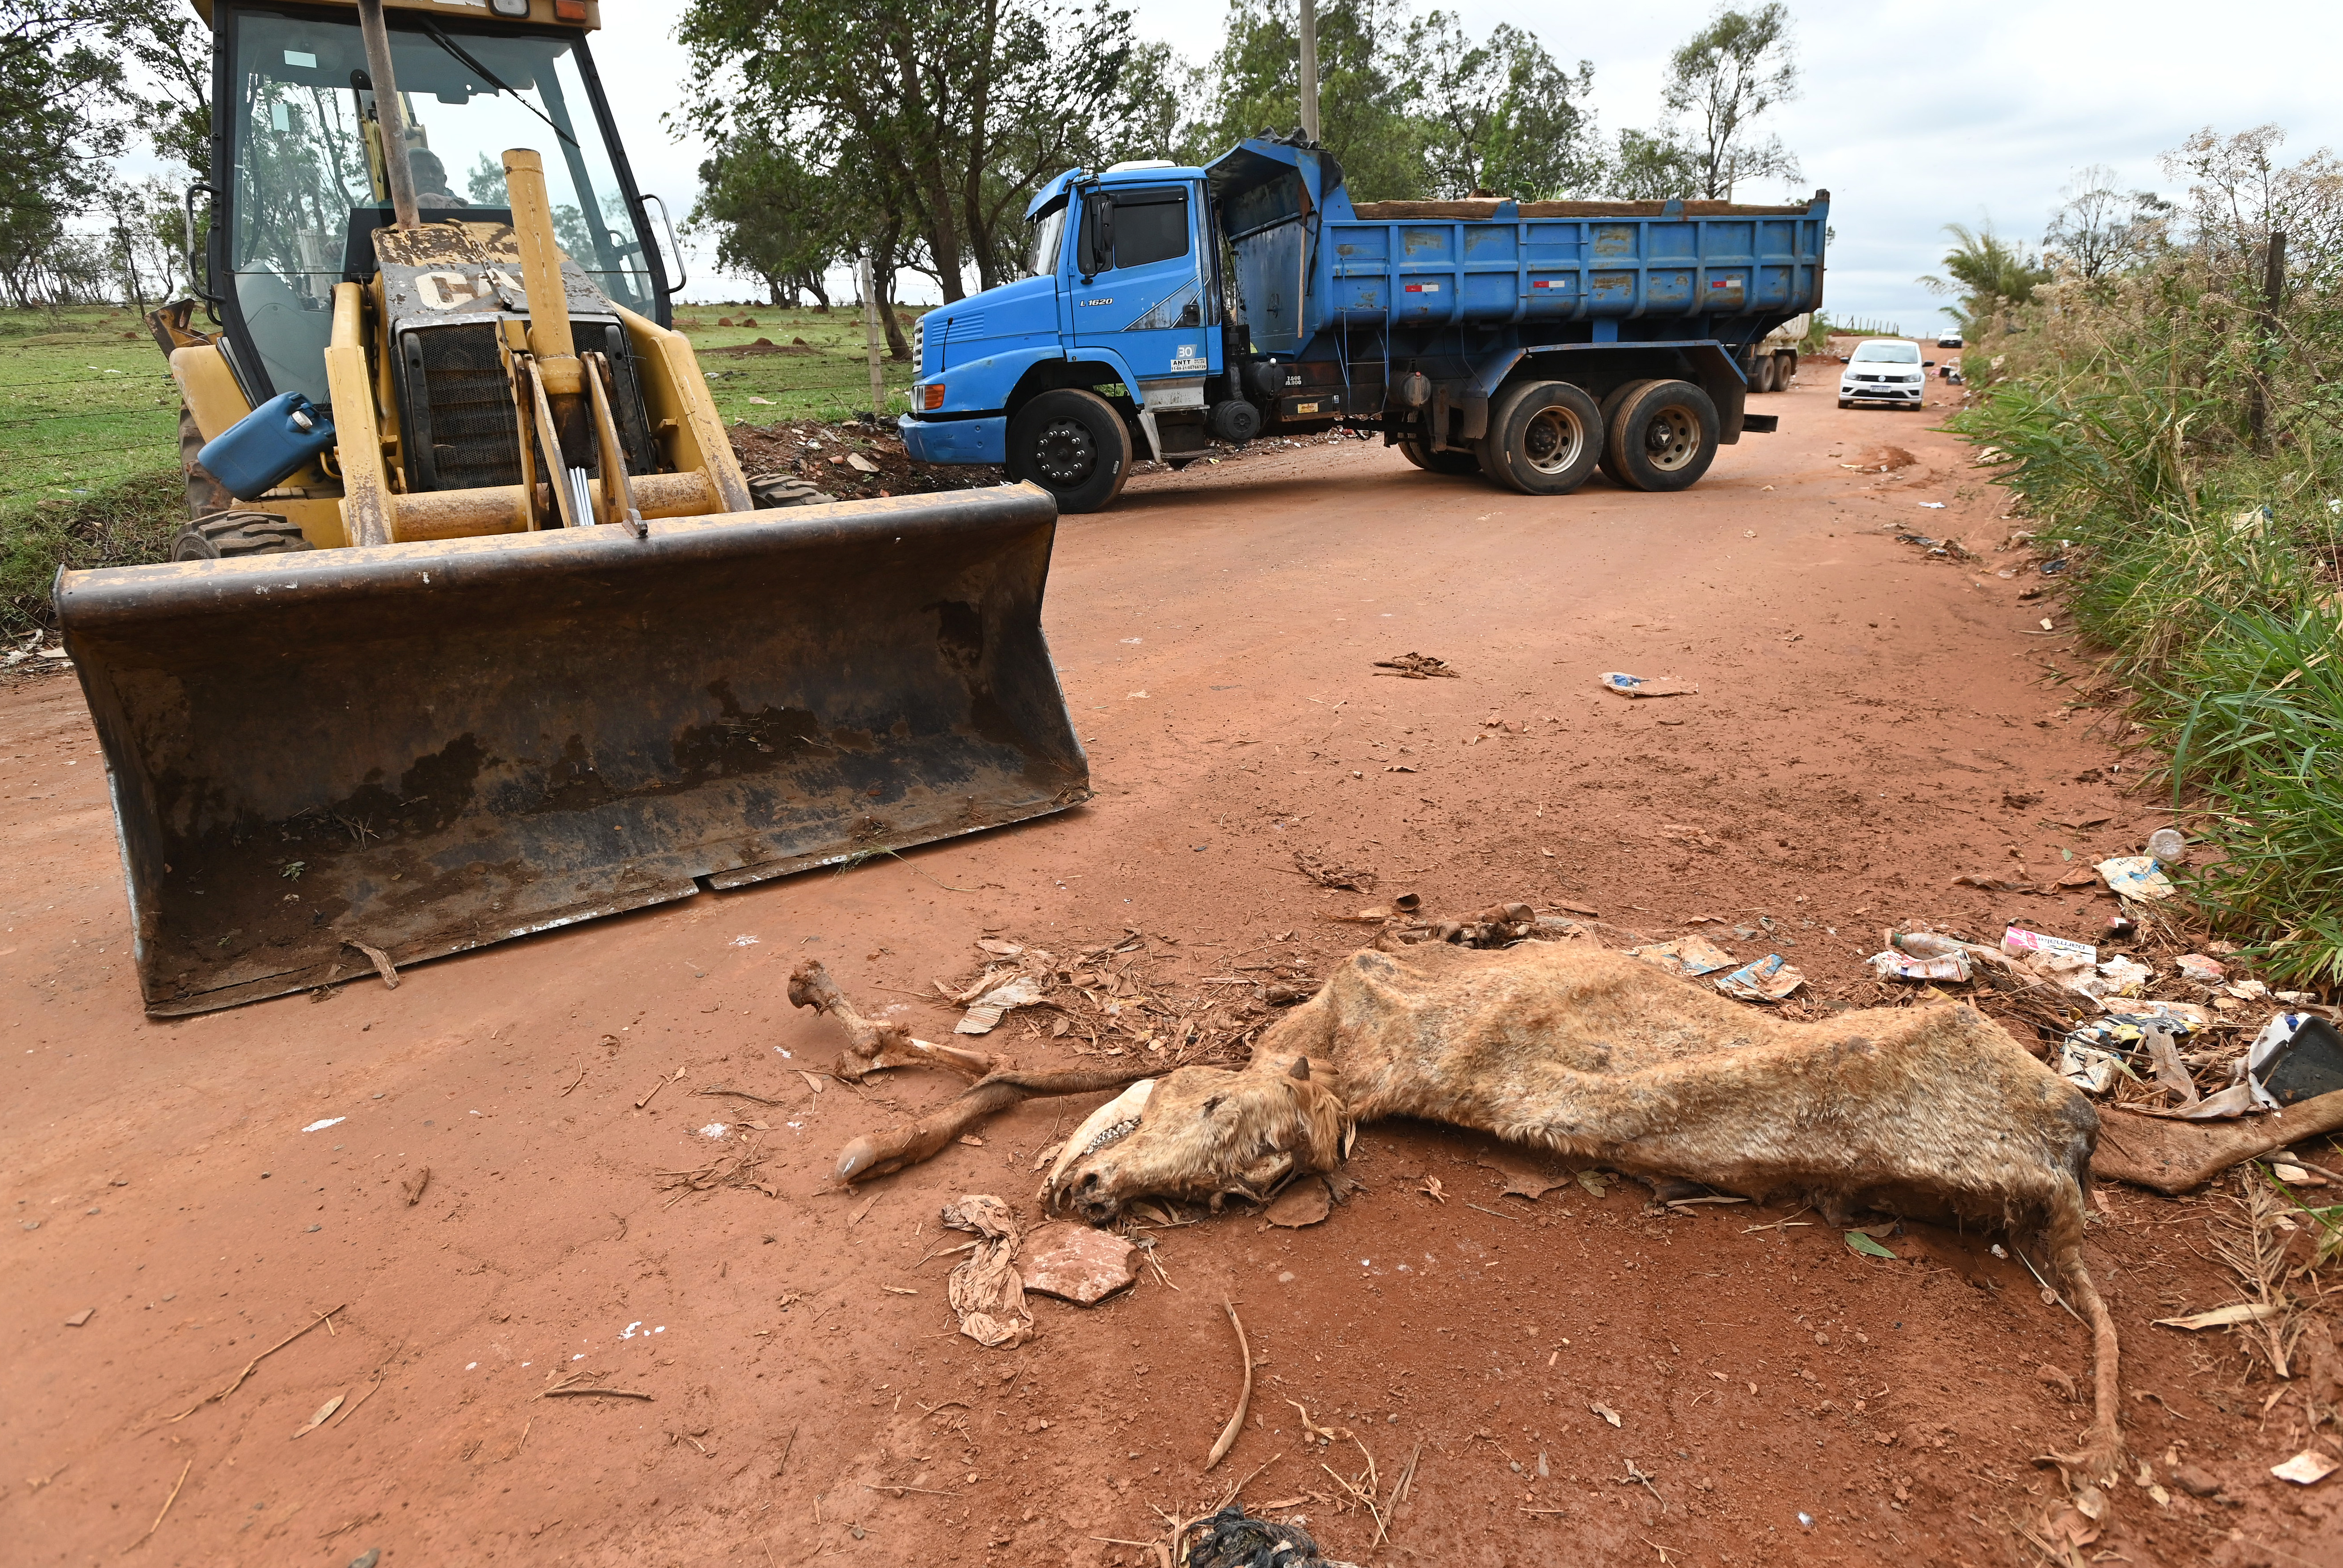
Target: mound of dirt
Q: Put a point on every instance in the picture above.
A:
(828, 454)
(761, 347)
(1888, 459)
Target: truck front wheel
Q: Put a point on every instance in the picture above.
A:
(1074, 445)
(1661, 436)
(1544, 437)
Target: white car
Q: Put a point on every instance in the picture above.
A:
(1950, 337)
(1884, 370)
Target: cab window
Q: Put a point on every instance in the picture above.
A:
(1143, 226)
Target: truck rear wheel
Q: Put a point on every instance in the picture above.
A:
(1544, 437)
(1761, 374)
(1661, 436)
(1074, 445)
(230, 536)
(1440, 462)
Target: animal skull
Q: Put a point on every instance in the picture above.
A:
(1202, 1133)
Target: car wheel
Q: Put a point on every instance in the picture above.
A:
(1662, 436)
(1845, 403)
(1543, 440)
(1074, 445)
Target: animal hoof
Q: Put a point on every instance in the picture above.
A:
(856, 1159)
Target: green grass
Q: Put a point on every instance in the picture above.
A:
(832, 382)
(2211, 574)
(88, 450)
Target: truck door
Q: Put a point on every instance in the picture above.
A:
(1138, 289)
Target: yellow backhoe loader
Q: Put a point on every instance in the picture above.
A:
(477, 627)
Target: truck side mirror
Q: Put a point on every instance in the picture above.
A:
(1097, 250)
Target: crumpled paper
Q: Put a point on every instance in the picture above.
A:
(1685, 956)
(2136, 876)
(986, 1294)
(1770, 979)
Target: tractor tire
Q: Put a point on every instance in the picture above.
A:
(206, 495)
(1544, 438)
(1074, 445)
(1661, 436)
(773, 491)
(231, 536)
(1452, 463)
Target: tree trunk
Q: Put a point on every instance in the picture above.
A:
(811, 282)
(899, 348)
(943, 233)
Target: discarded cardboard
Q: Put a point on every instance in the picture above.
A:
(1644, 686)
(1770, 979)
(1685, 956)
(2136, 876)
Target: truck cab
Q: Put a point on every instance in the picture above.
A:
(1104, 353)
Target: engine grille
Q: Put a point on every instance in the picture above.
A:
(464, 431)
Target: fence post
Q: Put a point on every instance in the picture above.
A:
(868, 278)
(2266, 348)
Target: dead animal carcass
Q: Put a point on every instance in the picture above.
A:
(1931, 1112)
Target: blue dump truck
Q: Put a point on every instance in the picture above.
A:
(1169, 306)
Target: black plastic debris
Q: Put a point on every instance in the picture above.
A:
(1230, 1540)
(2307, 1064)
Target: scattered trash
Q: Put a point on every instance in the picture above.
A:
(1934, 505)
(1770, 979)
(1686, 955)
(860, 463)
(329, 1122)
(2307, 1468)
(986, 1294)
(1416, 667)
(1076, 1263)
(1230, 1540)
(2202, 970)
(2296, 1057)
(2136, 876)
(2093, 1053)
(2020, 943)
(81, 1317)
(1894, 965)
(2167, 846)
(1641, 686)
(2124, 976)
(2121, 928)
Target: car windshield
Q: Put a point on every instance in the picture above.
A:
(307, 157)
(1886, 353)
(1050, 229)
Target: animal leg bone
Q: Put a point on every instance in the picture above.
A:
(883, 1153)
(870, 1044)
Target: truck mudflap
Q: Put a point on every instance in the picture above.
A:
(421, 748)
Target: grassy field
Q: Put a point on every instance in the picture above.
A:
(89, 424)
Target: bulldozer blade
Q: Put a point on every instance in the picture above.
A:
(426, 748)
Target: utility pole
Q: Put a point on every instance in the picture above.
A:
(868, 277)
(1309, 69)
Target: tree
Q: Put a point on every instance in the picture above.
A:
(779, 221)
(1498, 117)
(2100, 231)
(1365, 90)
(1652, 167)
(1990, 276)
(959, 109)
(1719, 83)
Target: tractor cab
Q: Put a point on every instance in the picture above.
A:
(298, 182)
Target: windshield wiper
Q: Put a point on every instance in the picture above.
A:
(431, 28)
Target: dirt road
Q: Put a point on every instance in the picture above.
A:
(1870, 723)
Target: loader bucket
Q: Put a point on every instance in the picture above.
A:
(425, 748)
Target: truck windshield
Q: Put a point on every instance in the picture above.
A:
(1885, 353)
(305, 158)
(1049, 231)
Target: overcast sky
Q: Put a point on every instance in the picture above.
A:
(1915, 114)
